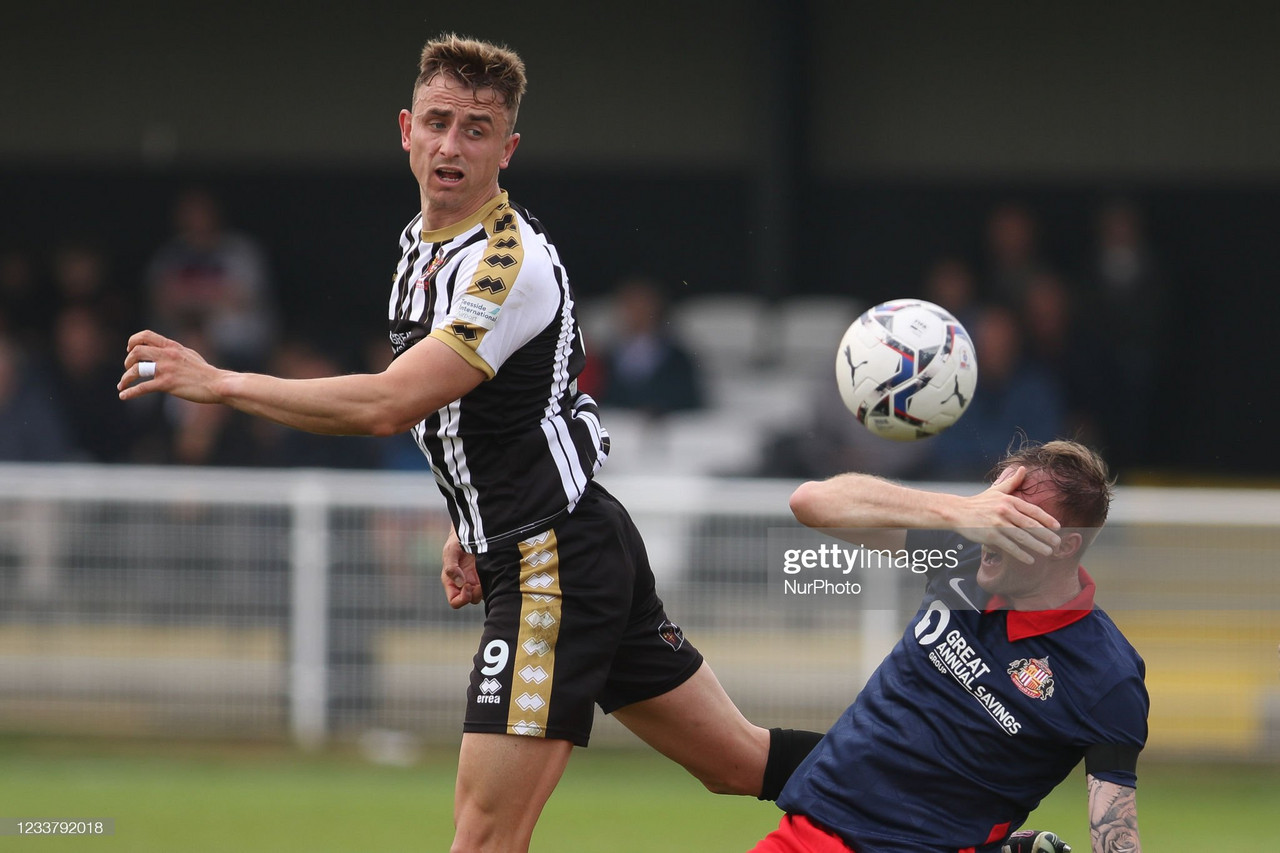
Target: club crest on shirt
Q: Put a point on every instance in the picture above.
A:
(432, 268)
(1033, 677)
(671, 634)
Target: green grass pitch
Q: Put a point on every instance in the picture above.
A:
(222, 797)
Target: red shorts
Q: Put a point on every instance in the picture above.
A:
(797, 834)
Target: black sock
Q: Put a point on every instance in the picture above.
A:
(787, 748)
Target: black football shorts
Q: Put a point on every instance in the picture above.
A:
(572, 619)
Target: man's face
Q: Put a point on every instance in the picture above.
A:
(457, 141)
(1000, 574)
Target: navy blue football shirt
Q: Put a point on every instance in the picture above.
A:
(976, 715)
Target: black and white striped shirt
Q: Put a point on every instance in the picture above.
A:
(514, 455)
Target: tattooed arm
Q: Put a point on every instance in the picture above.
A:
(1113, 817)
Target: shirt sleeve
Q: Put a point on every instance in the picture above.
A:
(1120, 733)
(508, 299)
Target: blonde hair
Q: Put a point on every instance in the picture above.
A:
(477, 64)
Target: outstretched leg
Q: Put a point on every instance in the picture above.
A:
(698, 726)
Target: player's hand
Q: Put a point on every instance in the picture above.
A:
(458, 576)
(1002, 520)
(179, 370)
(1034, 841)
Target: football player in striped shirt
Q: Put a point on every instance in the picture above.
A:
(483, 325)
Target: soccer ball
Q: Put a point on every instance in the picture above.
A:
(906, 369)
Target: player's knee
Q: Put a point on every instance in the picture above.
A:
(478, 830)
(472, 845)
(720, 786)
(490, 841)
(729, 781)
(738, 769)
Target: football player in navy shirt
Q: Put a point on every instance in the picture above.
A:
(1005, 679)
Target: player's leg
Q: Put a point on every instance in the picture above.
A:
(548, 641)
(660, 688)
(503, 783)
(697, 725)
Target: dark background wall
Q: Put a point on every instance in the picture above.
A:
(778, 147)
(1164, 90)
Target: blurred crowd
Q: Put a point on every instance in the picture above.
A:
(1064, 349)
(64, 322)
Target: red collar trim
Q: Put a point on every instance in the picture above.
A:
(1022, 624)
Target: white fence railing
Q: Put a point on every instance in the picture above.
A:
(306, 603)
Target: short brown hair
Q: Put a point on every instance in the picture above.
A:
(1083, 482)
(478, 64)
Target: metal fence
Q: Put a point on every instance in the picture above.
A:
(306, 604)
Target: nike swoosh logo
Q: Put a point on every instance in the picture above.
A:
(955, 584)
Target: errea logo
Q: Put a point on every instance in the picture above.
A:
(533, 674)
(488, 694)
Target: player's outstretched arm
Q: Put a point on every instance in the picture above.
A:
(421, 380)
(995, 517)
(1113, 817)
